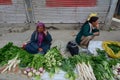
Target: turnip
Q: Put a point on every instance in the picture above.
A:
(118, 69)
(117, 66)
(37, 73)
(30, 74)
(31, 69)
(25, 72)
(41, 69)
(41, 74)
(115, 72)
(28, 69)
(34, 71)
(118, 76)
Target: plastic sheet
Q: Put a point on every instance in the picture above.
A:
(93, 45)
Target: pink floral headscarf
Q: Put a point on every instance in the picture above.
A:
(40, 35)
(40, 24)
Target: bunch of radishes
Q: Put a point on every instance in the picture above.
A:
(30, 72)
(116, 71)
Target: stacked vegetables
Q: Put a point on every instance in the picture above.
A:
(88, 67)
(31, 72)
(10, 51)
(101, 66)
(79, 62)
(112, 48)
(53, 60)
(37, 62)
(35, 68)
(68, 65)
(11, 64)
(85, 71)
(116, 71)
(7, 53)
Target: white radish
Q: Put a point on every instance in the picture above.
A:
(10, 66)
(11, 63)
(15, 64)
(5, 69)
(87, 72)
(91, 71)
(79, 72)
(83, 73)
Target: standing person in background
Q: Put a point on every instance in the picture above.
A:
(88, 31)
(40, 40)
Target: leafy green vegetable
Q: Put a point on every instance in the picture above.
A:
(114, 47)
(9, 51)
(53, 60)
(37, 61)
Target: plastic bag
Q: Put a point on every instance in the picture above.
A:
(73, 48)
(93, 45)
(109, 51)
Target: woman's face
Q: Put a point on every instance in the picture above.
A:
(95, 23)
(40, 29)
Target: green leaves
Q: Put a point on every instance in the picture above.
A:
(37, 61)
(53, 59)
(114, 47)
(9, 51)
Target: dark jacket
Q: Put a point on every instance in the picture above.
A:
(33, 46)
(85, 31)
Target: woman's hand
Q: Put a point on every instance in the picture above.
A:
(40, 49)
(97, 26)
(45, 32)
(96, 33)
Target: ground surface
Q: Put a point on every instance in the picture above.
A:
(18, 38)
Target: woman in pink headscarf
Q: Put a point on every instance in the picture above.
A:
(40, 40)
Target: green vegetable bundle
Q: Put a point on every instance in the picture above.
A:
(53, 60)
(37, 62)
(9, 51)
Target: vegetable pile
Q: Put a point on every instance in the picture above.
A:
(112, 48)
(82, 66)
(10, 51)
(53, 60)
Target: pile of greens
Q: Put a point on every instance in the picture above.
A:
(37, 61)
(53, 60)
(9, 51)
(102, 65)
(114, 47)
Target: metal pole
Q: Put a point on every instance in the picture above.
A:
(110, 14)
(29, 10)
